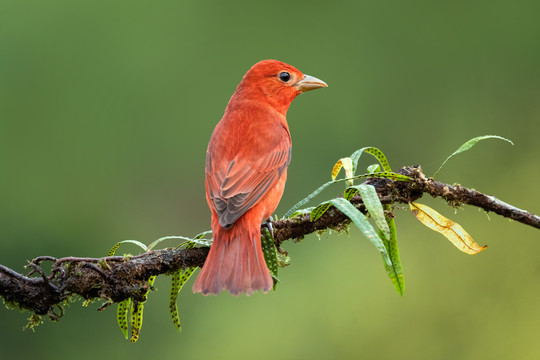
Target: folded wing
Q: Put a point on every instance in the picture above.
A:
(237, 186)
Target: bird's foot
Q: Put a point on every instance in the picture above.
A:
(268, 224)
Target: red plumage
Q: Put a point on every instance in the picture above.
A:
(246, 169)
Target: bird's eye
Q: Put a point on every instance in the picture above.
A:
(284, 76)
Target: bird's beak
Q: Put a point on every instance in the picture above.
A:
(309, 83)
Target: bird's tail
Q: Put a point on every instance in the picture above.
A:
(235, 262)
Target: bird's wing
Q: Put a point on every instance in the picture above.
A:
(240, 184)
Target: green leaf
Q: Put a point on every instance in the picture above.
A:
(308, 198)
(372, 151)
(117, 245)
(363, 224)
(122, 315)
(136, 320)
(270, 254)
(198, 239)
(175, 289)
(469, 144)
(395, 272)
(374, 207)
(137, 313)
(319, 211)
(178, 279)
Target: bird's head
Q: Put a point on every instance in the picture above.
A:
(277, 83)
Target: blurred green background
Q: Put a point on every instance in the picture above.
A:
(106, 108)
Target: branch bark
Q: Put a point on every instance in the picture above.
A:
(117, 278)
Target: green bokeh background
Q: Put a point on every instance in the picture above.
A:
(106, 108)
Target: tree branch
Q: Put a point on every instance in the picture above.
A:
(117, 278)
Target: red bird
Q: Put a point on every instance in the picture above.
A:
(246, 169)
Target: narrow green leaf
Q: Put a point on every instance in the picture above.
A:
(117, 245)
(178, 279)
(372, 151)
(319, 211)
(175, 289)
(395, 272)
(308, 198)
(374, 207)
(270, 254)
(122, 315)
(137, 308)
(136, 320)
(200, 241)
(363, 224)
(469, 144)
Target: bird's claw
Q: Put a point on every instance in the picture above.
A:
(269, 225)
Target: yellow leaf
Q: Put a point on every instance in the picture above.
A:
(451, 230)
(347, 165)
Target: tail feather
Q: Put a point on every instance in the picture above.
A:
(235, 262)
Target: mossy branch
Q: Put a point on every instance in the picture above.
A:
(116, 278)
